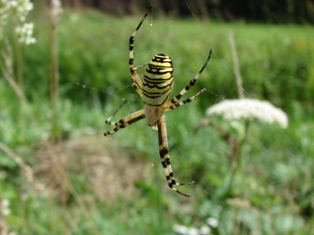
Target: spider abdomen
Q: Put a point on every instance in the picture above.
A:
(158, 80)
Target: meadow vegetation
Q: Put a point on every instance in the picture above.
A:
(88, 184)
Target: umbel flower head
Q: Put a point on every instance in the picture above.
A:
(13, 16)
(249, 110)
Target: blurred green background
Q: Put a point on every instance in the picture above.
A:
(81, 182)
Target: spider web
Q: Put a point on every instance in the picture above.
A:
(208, 207)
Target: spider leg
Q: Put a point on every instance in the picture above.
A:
(192, 82)
(136, 81)
(170, 106)
(108, 121)
(124, 122)
(165, 158)
(140, 66)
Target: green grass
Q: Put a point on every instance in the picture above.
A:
(115, 185)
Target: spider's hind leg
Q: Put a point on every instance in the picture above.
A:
(165, 158)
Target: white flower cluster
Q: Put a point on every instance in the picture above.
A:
(21, 7)
(24, 33)
(14, 12)
(249, 109)
(203, 230)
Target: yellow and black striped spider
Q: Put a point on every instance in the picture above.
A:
(155, 89)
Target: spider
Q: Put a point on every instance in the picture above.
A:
(155, 89)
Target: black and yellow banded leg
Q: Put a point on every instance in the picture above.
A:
(169, 106)
(124, 122)
(136, 81)
(193, 81)
(165, 158)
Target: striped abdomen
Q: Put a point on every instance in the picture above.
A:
(158, 80)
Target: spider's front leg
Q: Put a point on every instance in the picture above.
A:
(165, 158)
(136, 81)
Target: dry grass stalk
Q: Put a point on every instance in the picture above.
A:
(236, 66)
